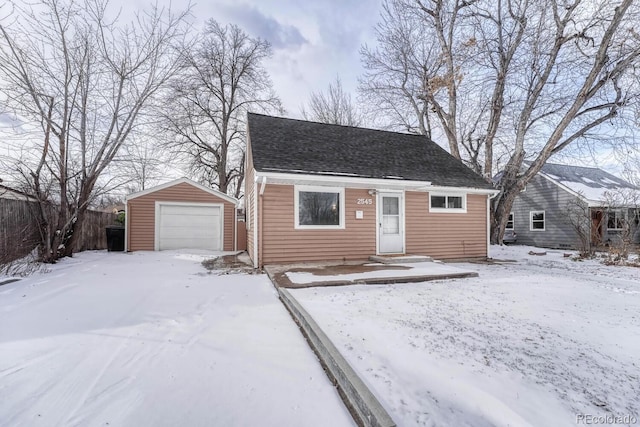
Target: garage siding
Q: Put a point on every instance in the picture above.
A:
(141, 214)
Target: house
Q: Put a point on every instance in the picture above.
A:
(560, 197)
(180, 214)
(318, 192)
(13, 194)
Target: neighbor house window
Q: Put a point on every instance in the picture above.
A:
(509, 222)
(615, 220)
(448, 203)
(319, 207)
(537, 220)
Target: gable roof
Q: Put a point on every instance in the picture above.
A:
(592, 184)
(182, 181)
(301, 147)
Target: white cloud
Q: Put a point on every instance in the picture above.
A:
(313, 41)
(257, 23)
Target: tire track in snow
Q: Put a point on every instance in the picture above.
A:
(123, 341)
(38, 297)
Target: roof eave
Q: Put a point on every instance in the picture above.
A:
(180, 181)
(361, 182)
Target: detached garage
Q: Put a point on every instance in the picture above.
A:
(180, 214)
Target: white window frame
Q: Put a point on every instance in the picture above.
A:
(463, 209)
(513, 222)
(544, 221)
(616, 212)
(317, 189)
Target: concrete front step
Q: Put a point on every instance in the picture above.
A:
(399, 259)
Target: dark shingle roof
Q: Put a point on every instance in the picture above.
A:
(297, 146)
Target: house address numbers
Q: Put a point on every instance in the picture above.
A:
(364, 201)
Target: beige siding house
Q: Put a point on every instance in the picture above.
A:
(180, 214)
(319, 192)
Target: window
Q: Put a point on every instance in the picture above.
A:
(509, 222)
(319, 207)
(537, 220)
(447, 203)
(615, 220)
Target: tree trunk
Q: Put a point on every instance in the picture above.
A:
(500, 214)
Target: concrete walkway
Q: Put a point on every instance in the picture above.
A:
(365, 273)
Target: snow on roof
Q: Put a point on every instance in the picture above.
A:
(593, 184)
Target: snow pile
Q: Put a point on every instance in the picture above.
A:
(152, 339)
(537, 342)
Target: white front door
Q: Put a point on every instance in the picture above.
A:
(391, 223)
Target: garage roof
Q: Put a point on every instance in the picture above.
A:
(186, 181)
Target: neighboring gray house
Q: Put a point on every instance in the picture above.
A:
(545, 213)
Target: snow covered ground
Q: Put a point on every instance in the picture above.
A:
(536, 343)
(152, 339)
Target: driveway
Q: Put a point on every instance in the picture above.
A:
(154, 339)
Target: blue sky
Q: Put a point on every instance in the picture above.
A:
(313, 41)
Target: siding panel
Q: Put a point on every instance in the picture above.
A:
(282, 243)
(543, 195)
(440, 235)
(141, 215)
(446, 235)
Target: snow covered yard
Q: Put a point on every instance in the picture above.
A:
(152, 339)
(534, 343)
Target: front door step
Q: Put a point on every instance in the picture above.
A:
(399, 259)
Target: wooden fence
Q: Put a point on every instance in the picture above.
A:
(19, 230)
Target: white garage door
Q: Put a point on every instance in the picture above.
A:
(189, 226)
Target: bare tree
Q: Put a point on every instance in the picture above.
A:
(222, 78)
(416, 75)
(80, 81)
(397, 69)
(623, 215)
(578, 215)
(143, 162)
(590, 53)
(534, 77)
(333, 106)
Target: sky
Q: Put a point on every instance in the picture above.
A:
(312, 41)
